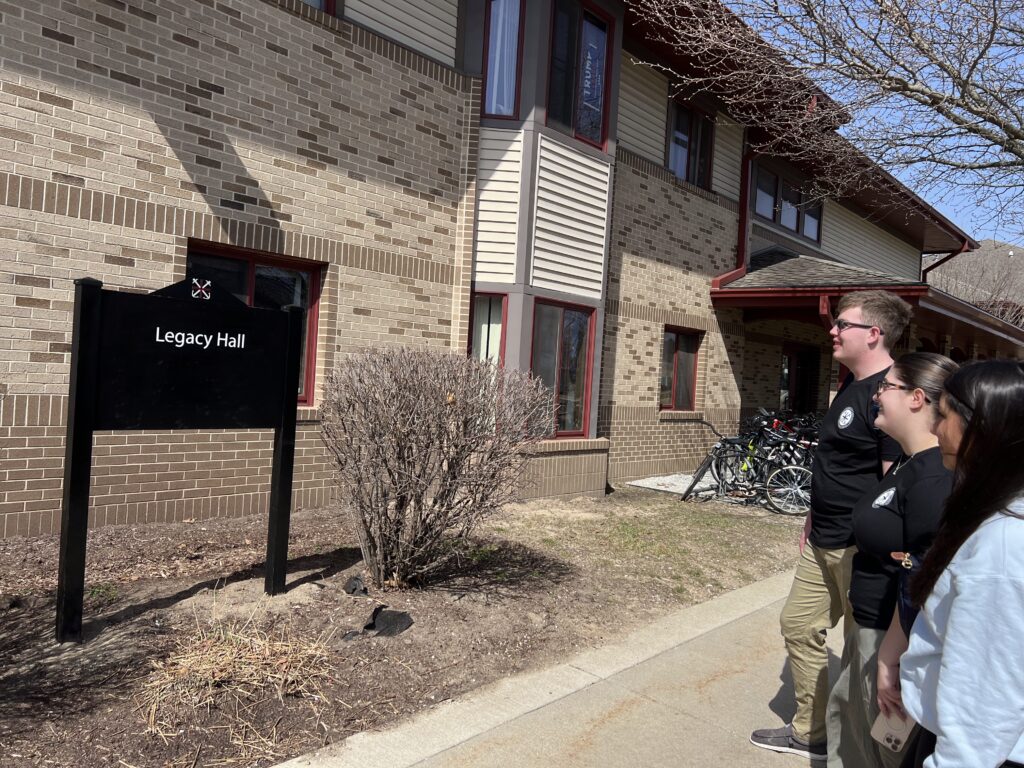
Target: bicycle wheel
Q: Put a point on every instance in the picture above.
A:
(698, 475)
(734, 471)
(788, 490)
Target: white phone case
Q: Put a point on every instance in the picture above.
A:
(891, 732)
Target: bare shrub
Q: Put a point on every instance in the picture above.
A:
(427, 445)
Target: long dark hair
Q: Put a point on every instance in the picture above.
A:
(989, 474)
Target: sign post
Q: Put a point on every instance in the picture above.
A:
(184, 357)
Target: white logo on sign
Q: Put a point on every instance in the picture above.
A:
(846, 417)
(884, 498)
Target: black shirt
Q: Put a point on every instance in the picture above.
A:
(848, 462)
(900, 515)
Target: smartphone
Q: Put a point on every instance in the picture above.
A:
(891, 732)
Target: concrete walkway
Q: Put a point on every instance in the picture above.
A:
(684, 691)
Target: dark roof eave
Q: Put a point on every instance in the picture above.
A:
(947, 304)
(803, 295)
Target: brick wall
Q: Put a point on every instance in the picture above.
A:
(129, 130)
(668, 239)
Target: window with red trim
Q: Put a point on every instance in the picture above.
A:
(487, 328)
(267, 283)
(562, 350)
(781, 201)
(327, 6)
(679, 370)
(502, 58)
(690, 143)
(578, 74)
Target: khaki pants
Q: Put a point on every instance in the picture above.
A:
(817, 601)
(852, 706)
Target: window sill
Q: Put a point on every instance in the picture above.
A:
(572, 445)
(669, 415)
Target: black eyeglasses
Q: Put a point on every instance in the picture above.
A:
(842, 325)
(885, 384)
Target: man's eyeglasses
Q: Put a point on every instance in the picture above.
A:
(842, 325)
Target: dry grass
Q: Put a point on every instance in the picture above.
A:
(235, 667)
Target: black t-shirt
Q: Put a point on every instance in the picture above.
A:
(848, 462)
(900, 515)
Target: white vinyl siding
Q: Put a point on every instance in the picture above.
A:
(643, 110)
(497, 205)
(427, 26)
(571, 221)
(728, 158)
(851, 239)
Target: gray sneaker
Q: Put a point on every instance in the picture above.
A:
(783, 740)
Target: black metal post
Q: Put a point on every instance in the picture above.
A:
(284, 463)
(74, 524)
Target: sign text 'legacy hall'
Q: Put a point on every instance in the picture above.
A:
(202, 340)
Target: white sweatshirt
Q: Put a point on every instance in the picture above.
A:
(962, 676)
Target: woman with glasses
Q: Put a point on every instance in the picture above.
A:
(962, 677)
(900, 515)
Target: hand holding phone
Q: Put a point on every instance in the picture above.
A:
(892, 732)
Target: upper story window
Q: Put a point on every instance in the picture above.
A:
(501, 67)
(266, 283)
(327, 6)
(562, 349)
(782, 202)
(577, 80)
(689, 147)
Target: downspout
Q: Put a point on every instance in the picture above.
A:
(743, 233)
(943, 260)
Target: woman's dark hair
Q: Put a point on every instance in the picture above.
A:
(989, 474)
(926, 371)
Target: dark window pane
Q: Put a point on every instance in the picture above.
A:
(679, 147)
(487, 328)
(562, 77)
(224, 274)
(764, 200)
(700, 154)
(668, 357)
(572, 378)
(812, 222)
(502, 58)
(277, 288)
(547, 321)
(315, 3)
(789, 206)
(593, 60)
(685, 371)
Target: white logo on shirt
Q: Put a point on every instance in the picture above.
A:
(884, 498)
(846, 417)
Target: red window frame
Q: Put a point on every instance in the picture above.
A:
(593, 10)
(588, 376)
(487, 62)
(253, 258)
(696, 113)
(780, 183)
(504, 321)
(697, 337)
(330, 7)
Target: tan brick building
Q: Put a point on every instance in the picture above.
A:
(499, 176)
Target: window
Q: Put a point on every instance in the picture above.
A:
(781, 201)
(327, 6)
(267, 283)
(562, 338)
(487, 329)
(679, 370)
(689, 149)
(501, 83)
(578, 72)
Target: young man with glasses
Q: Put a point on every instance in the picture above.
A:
(852, 456)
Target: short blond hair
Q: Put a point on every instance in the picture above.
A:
(883, 309)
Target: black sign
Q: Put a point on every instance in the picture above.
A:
(168, 363)
(184, 357)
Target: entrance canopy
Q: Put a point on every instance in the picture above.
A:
(782, 286)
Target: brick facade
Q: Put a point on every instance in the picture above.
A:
(130, 132)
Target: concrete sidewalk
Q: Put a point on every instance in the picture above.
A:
(686, 690)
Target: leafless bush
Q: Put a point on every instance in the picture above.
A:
(427, 445)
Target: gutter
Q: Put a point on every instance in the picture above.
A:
(743, 228)
(951, 255)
